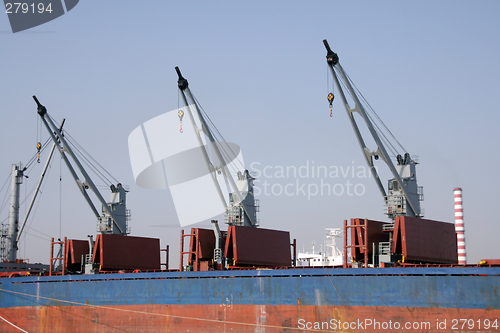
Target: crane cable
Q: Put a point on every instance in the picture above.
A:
(330, 96)
(6, 196)
(368, 107)
(27, 166)
(39, 137)
(89, 161)
(228, 153)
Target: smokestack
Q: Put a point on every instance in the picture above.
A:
(459, 226)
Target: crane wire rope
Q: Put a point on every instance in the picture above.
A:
(35, 156)
(30, 220)
(377, 128)
(375, 121)
(60, 197)
(221, 142)
(88, 160)
(370, 108)
(27, 166)
(4, 201)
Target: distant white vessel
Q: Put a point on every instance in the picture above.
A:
(331, 257)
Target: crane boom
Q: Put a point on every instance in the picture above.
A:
(403, 194)
(113, 220)
(241, 209)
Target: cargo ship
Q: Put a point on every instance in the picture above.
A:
(401, 275)
(257, 300)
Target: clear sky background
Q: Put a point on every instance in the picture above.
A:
(430, 69)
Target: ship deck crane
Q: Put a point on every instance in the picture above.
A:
(404, 195)
(242, 207)
(114, 217)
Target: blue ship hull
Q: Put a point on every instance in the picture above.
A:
(292, 299)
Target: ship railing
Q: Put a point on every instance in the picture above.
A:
(388, 226)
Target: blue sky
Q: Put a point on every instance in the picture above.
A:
(430, 70)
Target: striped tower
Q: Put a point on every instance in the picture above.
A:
(459, 226)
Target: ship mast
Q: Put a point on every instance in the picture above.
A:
(11, 246)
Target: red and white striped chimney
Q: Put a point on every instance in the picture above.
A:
(459, 226)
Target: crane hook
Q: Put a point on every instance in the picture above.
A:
(181, 115)
(38, 147)
(330, 99)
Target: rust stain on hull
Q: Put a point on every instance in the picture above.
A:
(223, 318)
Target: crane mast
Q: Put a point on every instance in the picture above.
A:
(114, 217)
(403, 196)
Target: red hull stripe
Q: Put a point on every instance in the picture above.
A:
(237, 318)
